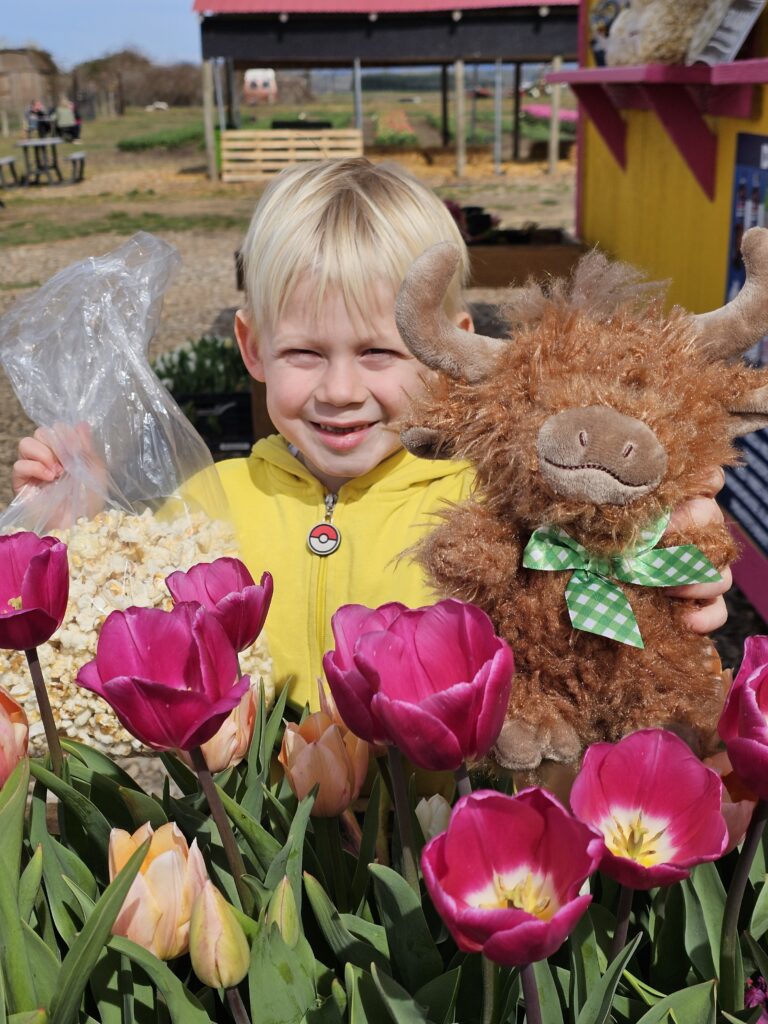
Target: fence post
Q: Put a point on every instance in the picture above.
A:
(210, 136)
(554, 119)
(461, 135)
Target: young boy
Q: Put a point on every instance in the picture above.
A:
(329, 504)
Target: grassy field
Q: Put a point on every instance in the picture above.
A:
(146, 171)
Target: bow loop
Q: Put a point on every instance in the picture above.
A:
(595, 604)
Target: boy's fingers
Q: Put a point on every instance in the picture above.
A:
(703, 591)
(27, 471)
(33, 450)
(695, 513)
(707, 617)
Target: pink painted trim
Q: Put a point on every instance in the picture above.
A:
(688, 130)
(700, 74)
(741, 72)
(359, 6)
(608, 121)
(750, 570)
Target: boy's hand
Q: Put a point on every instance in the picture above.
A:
(37, 462)
(709, 613)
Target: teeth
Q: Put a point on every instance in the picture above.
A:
(339, 430)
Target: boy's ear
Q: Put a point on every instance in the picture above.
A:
(248, 344)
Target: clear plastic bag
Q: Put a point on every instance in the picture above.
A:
(139, 496)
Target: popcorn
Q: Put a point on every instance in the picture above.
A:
(116, 560)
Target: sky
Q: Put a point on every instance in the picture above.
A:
(78, 30)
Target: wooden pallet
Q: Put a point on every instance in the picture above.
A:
(255, 155)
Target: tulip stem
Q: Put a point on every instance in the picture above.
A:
(329, 847)
(626, 892)
(236, 1005)
(403, 815)
(530, 995)
(463, 785)
(731, 995)
(489, 990)
(46, 713)
(231, 849)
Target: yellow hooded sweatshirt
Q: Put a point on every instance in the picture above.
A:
(275, 502)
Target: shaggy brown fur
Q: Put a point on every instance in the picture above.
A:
(600, 340)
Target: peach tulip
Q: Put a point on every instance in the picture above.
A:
(14, 734)
(230, 744)
(218, 947)
(316, 752)
(158, 908)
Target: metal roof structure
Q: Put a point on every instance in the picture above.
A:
(311, 33)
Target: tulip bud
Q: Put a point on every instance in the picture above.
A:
(14, 735)
(230, 744)
(434, 815)
(315, 752)
(157, 909)
(282, 911)
(218, 947)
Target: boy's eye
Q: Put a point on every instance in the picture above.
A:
(380, 353)
(303, 355)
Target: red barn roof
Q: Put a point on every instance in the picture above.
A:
(360, 6)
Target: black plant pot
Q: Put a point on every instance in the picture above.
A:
(224, 421)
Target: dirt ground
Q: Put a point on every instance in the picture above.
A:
(125, 189)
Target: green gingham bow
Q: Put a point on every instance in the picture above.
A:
(594, 603)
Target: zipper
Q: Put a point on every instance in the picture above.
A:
(318, 627)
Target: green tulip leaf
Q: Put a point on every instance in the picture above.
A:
(99, 763)
(44, 965)
(745, 1017)
(367, 931)
(29, 884)
(704, 899)
(758, 955)
(20, 987)
(367, 843)
(86, 948)
(549, 998)
(669, 964)
(439, 996)
(414, 955)
(584, 961)
(401, 1007)
(288, 861)
(123, 992)
(269, 733)
(182, 1006)
(32, 1017)
(280, 978)
(364, 999)
(179, 773)
(758, 924)
(345, 946)
(143, 808)
(650, 996)
(59, 862)
(694, 1005)
(597, 1008)
(3, 1014)
(85, 811)
(264, 846)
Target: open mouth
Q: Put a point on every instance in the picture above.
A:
(341, 429)
(597, 466)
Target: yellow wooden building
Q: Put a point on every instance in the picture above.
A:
(653, 211)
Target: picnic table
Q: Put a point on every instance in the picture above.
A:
(40, 158)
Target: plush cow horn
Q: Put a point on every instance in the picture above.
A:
(735, 327)
(425, 328)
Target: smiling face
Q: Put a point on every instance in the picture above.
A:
(337, 382)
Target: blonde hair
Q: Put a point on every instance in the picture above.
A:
(348, 223)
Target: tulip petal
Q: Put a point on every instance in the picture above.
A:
(22, 630)
(46, 583)
(152, 644)
(423, 739)
(165, 878)
(535, 940)
(166, 718)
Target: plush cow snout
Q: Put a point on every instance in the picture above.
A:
(597, 454)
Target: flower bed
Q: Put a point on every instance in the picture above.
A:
(284, 898)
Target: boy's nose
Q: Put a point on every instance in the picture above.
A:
(340, 385)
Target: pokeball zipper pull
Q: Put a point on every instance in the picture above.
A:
(324, 538)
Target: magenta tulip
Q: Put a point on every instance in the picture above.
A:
(226, 589)
(351, 690)
(655, 804)
(170, 677)
(743, 724)
(34, 588)
(506, 875)
(438, 678)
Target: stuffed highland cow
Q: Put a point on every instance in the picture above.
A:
(663, 31)
(597, 416)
